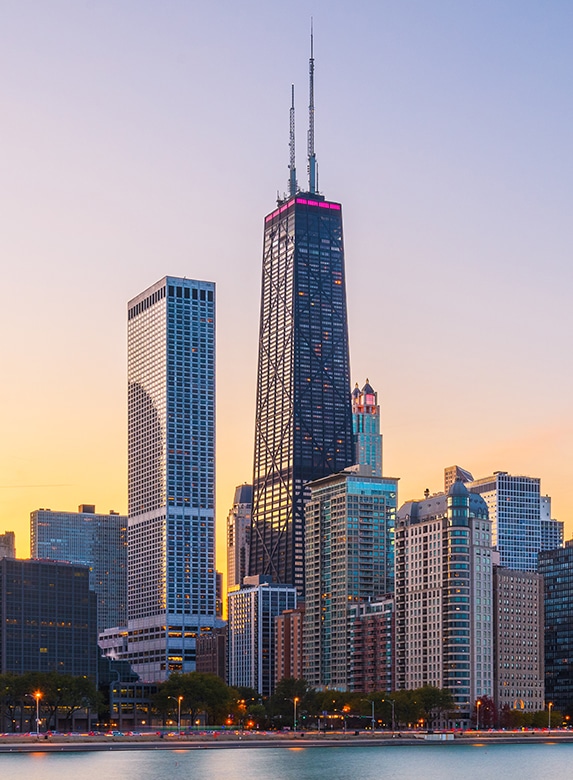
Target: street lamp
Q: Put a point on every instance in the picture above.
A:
(393, 703)
(295, 702)
(549, 706)
(373, 722)
(37, 695)
(478, 705)
(179, 699)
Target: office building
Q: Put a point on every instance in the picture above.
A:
(518, 669)
(171, 475)
(520, 516)
(251, 610)
(350, 519)
(556, 567)
(372, 645)
(366, 428)
(444, 615)
(551, 529)
(47, 618)
(303, 422)
(95, 540)
(8, 545)
(453, 474)
(289, 644)
(239, 535)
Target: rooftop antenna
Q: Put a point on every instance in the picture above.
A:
(293, 187)
(312, 167)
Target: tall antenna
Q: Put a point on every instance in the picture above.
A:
(312, 167)
(293, 187)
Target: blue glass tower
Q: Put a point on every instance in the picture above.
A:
(303, 425)
(171, 461)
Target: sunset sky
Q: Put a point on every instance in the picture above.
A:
(143, 138)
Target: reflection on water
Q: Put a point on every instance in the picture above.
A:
(435, 762)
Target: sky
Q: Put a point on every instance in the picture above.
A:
(143, 138)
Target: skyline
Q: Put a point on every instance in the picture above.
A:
(445, 132)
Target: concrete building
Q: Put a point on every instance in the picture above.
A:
(289, 644)
(239, 536)
(171, 475)
(444, 613)
(47, 618)
(350, 520)
(252, 609)
(8, 545)
(212, 652)
(519, 668)
(372, 630)
(556, 567)
(98, 541)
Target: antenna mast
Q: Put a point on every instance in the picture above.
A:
(312, 167)
(293, 187)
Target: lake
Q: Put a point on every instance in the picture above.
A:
(435, 762)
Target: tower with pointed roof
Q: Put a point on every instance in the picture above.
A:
(303, 425)
(366, 428)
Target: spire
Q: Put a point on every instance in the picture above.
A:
(293, 187)
(312, 166)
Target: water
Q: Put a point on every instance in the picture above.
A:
(438, 762)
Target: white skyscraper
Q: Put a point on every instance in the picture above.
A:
(171, 462)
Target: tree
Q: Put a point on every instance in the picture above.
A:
(434, 702)
(200, 693)
(487, 715)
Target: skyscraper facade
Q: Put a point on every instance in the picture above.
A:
(252, 609)
(239, 535)
(350, 520)
(47, 618)
(171, 470)
(303, 424)
(515, 510)
(556, 566)
(519, 666)
(444, 614)
(95, 540)
(366, 428)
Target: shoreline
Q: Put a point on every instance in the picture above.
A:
(236, 741)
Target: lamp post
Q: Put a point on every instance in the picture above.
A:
(179, 699)
(549, 706)
(372, 721)
(37, 695)
(295, 702)
(393, 705)
(478, 705)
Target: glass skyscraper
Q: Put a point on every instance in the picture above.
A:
(366, 427)
(303, 427)
(95, 540)
(303, 424)
(171, 464)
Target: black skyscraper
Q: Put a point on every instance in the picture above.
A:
(303, 414)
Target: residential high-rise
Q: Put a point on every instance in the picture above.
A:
(366, 428)
(95, 540)
(8, 545)
(252, 609)
(350, 520)
(372, 645)
(47, 618)
(171, 465)
(556, 567)
(303, 423)
(289, 653)
(444, 615)
(519, 668)
(239, 535)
